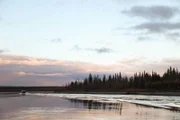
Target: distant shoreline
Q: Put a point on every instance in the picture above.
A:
(129, 93)
(57, 89)
(110, 93)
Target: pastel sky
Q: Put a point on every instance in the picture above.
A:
(52, 42)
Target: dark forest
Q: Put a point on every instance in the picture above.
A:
(170, 80)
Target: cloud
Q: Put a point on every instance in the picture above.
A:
(133, 60)
(158, 27)
(56, 40)
(97, 50)
(25, 70)
(77, 48)
(1, 51)
(173, 36)
(143, 38)
(29, 71)
(14, 57)
(175, 61)
(101, 50)
(152, 12)
(159, 21)
(40, 74)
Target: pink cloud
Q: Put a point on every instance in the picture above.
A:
(38, 74)
(24, 70)
(132, 60)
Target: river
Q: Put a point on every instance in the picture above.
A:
(38, 106)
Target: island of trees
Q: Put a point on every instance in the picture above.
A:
(143, 81)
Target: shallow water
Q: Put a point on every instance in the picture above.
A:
(147, 100)
(55, 107)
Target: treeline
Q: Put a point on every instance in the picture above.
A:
(30, 88)
(170, 80)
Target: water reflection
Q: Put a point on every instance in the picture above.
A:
(10, 94)
(55, 108)
(90, 104)
(128, 110)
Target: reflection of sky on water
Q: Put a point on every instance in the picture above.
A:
(54, 108)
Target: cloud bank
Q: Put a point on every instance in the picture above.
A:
(152, 12)
(158, 27)
(24, 70)
(159, 19)
(30, 71)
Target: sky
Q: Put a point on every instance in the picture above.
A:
(52, 42)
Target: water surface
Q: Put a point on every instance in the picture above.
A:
(55, 107)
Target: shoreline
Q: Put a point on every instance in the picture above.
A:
(111, 93)
(128, 93)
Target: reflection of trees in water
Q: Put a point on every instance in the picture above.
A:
(90, 104)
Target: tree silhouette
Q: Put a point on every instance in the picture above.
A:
(170, 80)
